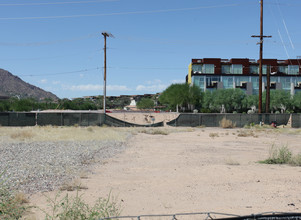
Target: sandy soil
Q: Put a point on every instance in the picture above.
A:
(198, 170)
(145, 118)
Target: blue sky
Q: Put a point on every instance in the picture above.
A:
(58, 46)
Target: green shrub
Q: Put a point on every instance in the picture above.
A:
(75, 208)
(280, 155)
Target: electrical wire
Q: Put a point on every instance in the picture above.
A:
(62, 73)
(121, 13)
(49, 42)
(55, 3)
(284, 23)
(52, 57)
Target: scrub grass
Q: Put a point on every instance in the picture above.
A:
(154, 131)
(12, 206)
(246, 133)
(55, 133)
(76, 208)
(213, 135)
(279, 155)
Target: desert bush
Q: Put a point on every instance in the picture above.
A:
(225, 123)
(90, 129)
(11, 206)
(231, 162)
(278, 155)
(76, 208)
(154, 131)
(213, 135)
(246, 133)
(296, 160)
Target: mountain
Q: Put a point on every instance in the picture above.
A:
(11, 85)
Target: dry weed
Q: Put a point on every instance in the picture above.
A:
(52, 133)
(22, 135)
(73, 185)
(246, 133)
(213, 135)
(154, 131)
(231, 162)
(225, 123)
(83, 175)
(21, 198)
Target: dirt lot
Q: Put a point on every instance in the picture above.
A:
(145, 118)
(198, 170)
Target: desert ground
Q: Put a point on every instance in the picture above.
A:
(145, 118)
(180, 170)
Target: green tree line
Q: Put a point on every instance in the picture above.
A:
(186, 98)
(29, 104)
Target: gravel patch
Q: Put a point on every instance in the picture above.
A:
(44, 166)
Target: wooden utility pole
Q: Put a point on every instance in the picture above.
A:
(261, 36)
(105, 35)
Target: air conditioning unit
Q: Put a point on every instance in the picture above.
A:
(242, 82)
(299, 84)
(214, 82)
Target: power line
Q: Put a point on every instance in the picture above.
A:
(48, 42)
(63, 73)
(284, 24)
(45, 58)
(56, 3)
(120, 13)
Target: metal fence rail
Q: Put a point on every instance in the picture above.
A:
(214, 215)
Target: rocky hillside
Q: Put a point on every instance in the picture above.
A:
(11, 85)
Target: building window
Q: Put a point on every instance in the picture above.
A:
(254, 69)
(293, 69)
(226, 69)
(202, 82)
(212, 79)
(282, 69)
(255, 83)
(197, 68)
(227, 82)
(264, 69)
(237, 68)
(208, 68)
(286, 83)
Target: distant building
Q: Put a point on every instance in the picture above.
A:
(216, 73)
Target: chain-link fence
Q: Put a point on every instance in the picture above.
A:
(213, 215)
(240, 120)
(184, 119)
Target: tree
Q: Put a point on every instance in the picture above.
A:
(280, 100)
(296, 102)
(231, 99)
(145, 103)
(183, 95)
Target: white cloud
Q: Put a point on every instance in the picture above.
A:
(155, 81)
(96, 87)
(56, 82)
(177, 81)
(88, 87)
(43, 81)
(117, 88)
(151, 88)
(156, 85)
